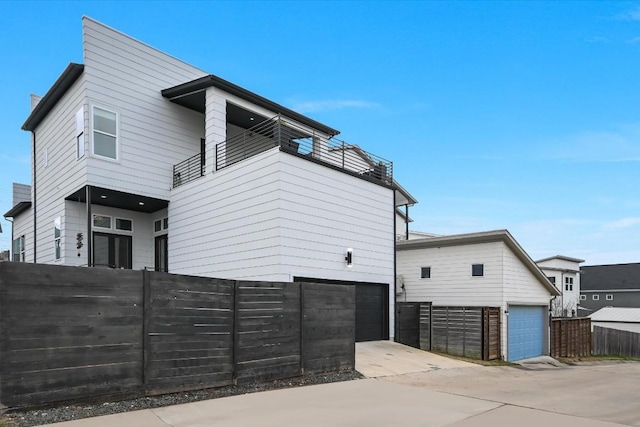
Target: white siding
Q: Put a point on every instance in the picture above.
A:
(227, 224)
(63, 174)
(451, 283)
(127, 76)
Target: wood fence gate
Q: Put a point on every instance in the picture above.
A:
(570, 337)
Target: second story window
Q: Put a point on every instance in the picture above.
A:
(477, 270)
(568, 283)
(80, 133)
(105, 133)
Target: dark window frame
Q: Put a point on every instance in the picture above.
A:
(425, 272)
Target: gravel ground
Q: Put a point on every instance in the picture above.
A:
(83, 410)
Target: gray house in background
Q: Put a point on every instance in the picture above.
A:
(615, 285)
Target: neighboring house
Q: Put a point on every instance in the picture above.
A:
(614, 285)
(622, 318)
(5, 256)
(487, 269)
(143, 161)
(564, 273)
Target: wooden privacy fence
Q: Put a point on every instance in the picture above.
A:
(615, 342)
(464, 331)
(570, 337)
(72, 333)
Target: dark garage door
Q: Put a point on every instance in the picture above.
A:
(372, 307)
(372, 312)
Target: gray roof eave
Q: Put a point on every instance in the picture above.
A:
(233, 89)
(53, 95)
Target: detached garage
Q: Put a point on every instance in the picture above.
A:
(487, 269)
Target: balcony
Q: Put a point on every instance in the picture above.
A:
(293, 139)
(306, 144)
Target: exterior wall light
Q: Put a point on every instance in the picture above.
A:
(349, 258)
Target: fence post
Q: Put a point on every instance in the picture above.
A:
(235, 334)
(146, 321)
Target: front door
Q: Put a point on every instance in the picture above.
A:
(161, 254)
(112, 250)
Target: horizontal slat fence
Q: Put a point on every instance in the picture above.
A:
(615, 342)
(570, 337)
(464, 331)
(69, 333)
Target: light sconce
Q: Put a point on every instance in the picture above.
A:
(349, 258)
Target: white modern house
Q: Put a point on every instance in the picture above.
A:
(564, 272)
(486, 269)
(143, 161)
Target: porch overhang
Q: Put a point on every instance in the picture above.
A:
(192, 95)
(118, 199)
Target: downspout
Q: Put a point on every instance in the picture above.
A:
(35, 217)
(406, 221)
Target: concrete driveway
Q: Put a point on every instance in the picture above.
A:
(432, 392)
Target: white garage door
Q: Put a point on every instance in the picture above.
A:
(526, 335)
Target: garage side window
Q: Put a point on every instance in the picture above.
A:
(425, 272)
(477, 270)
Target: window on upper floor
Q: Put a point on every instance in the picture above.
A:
(425, 272)
(80, 133)
(161, 225)
(477, 270)
(105, 133)
(568, 283)
(552, 279)
(18, 249)
(583, 297)
(57, 237)
(595, 297)
(609, 297)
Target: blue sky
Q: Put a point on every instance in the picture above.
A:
(516, 115)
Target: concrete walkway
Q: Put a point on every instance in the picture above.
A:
(409, 387)
(376, 359)
(368, 402)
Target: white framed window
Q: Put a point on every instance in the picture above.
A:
(477, 270)
(609, 297)
(583, 297)
(568, 283)
(595, 297)
(105, 133)
(57, 235)
(18, 249)
(425, 272)
(80, 133)
(101, 221)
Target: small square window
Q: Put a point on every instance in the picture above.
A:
(425, 272)
(477, 270)
(609, 297)
(583, 297)
(595, 297)
(552, 279)
(124, 224)
(101, 221)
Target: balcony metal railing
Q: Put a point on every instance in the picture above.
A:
(304, 143)
(188, 170)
